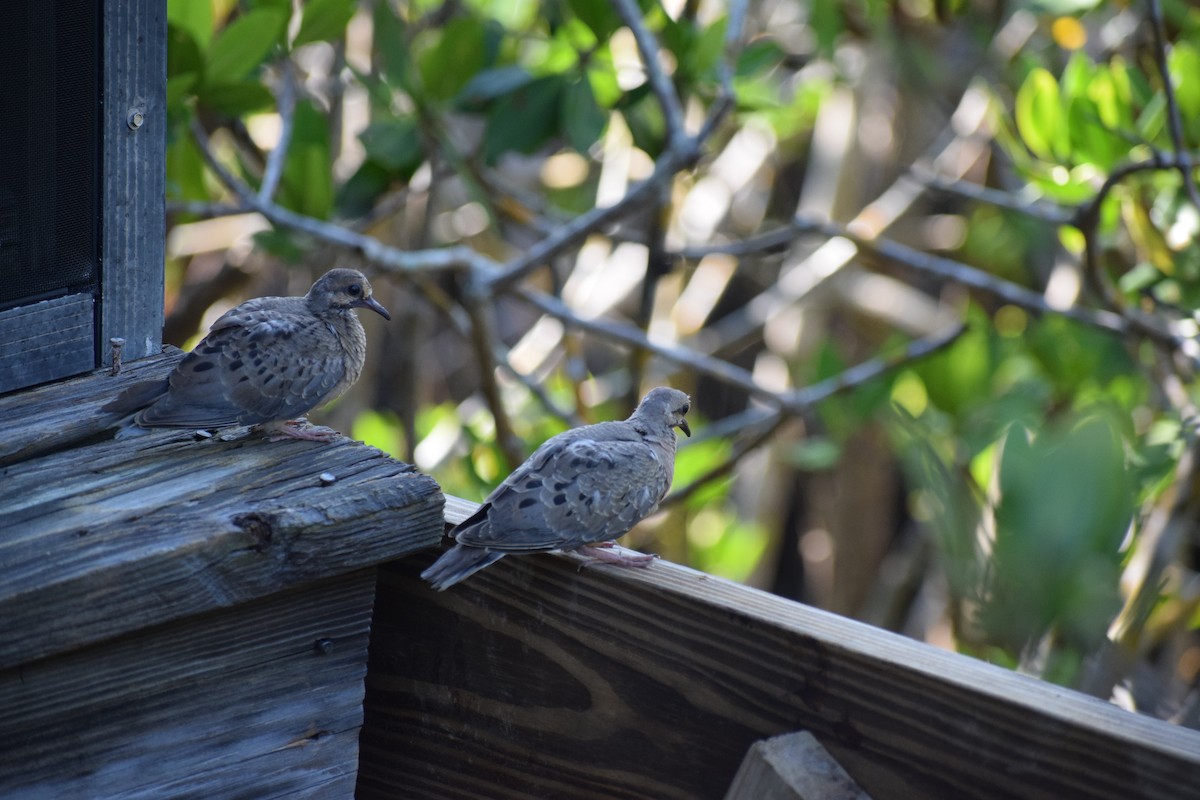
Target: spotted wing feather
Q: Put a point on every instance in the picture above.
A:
(264, 361)
(588, 486)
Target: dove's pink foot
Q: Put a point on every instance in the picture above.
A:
(299, 429)
(604, 552)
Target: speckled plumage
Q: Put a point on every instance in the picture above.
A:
(585, 486)
(265, 362)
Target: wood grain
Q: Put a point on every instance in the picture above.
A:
(121, 535)
(536, 679)
(100, 537)
(260, 701)
(45, 341)
(65, 414)
(133, 185)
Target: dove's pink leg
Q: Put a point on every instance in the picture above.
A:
(299, 429)
(603, 551)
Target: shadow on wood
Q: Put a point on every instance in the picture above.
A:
(536, 679)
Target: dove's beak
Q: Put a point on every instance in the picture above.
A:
(683, 426)
(374, 305)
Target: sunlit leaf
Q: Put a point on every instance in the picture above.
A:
(243, 45)
(1040, 116)
(582, 120)
(324, 20)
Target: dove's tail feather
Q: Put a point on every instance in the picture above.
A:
(135, 398)
(459, 563)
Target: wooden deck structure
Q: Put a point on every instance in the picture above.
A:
(187, 617)
(190, 617)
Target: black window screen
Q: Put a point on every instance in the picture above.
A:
(49, 148)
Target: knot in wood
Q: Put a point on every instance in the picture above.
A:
(257, 526)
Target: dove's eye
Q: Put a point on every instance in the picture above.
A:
(354, 290)
(686, 408)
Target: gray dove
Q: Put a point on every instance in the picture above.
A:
(579, 491)
(265, 362)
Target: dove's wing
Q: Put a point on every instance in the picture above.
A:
(266, 360)
(573, 491)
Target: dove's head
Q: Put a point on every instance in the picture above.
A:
(343, 289)
(665, 406)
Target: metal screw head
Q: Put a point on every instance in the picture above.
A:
(135, 119)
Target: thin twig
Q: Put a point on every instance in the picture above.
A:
(964, 275)
(1038, 209)
(285, 101)
(660, 83)
(735, 23)
(574, 232)
(804, 399)
(727, 465)
(1174, 119)
(391, 259)
(482, 337)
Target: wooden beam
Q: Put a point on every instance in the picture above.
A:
(113, 536)
(263, 701)
(792, 767)
(535, 677)
(133, 178)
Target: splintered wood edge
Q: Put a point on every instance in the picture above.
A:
(893, 651)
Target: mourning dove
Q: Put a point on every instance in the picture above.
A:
(265, 362)
(586, 486)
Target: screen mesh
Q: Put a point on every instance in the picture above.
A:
(49, 149)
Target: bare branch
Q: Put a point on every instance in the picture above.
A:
(1174, 120)
(1050, 213)
(482, 338)
(773, 422)
(735, 23)
(391, 259)
(660, 83)
(286, 105)
(574, 232)
(962, 274)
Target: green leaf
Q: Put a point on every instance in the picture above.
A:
(391, 47)
(394, 144)
(324, 20)
(460, 52)
(244, 44)
(1184, 67)
(183, 54)
(760, 56)
(598, 15)
(582, 119)
(492, 83)
(196, 18)
(281, 244)
(307, 185)
(236, 99)
(356, 197)
(524, 120)
(644, 118)
(1040, 117)
(185, 170)
(1065, 504)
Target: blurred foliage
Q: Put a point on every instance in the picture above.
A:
(1036, 457)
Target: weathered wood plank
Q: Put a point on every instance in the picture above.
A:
(262, 701)
(120, 535)
(45, 341)
(59, 415)
(133, 189)
(534, 678)
(792, 767)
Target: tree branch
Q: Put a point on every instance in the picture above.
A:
(1174, 120)
(660, 84)
(285, 101)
